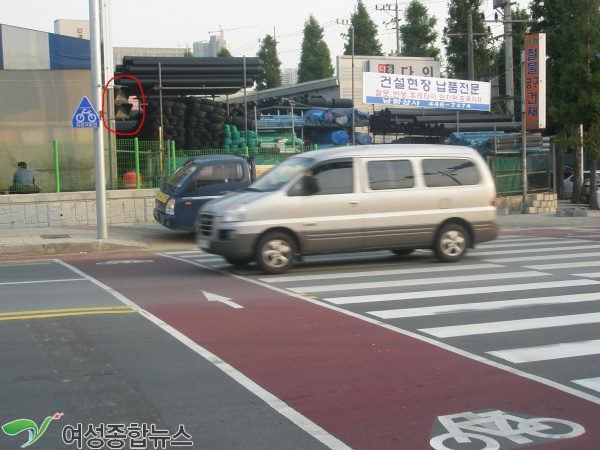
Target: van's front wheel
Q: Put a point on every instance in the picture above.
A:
(275, 253)
(451, 243)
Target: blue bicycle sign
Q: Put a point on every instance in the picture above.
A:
(85, 116)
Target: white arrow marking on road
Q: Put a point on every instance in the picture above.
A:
(217, 298)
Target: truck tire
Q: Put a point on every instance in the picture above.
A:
(275, 253)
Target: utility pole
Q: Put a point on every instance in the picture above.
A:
(470, 47)
(97, 85)
(508, 59)
(396, 22)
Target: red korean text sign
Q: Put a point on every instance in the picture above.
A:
(535, 81)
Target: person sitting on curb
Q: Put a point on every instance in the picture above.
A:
(23, 180)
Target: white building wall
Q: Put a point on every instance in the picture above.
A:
(74, 28)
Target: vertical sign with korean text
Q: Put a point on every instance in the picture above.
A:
(535, 81)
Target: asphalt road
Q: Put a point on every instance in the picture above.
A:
(240, 360)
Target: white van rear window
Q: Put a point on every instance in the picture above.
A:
(449, 172)
(394, 174)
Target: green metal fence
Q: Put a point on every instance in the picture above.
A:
(508, 173)
(133, 164)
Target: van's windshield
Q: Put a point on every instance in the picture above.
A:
(179, 178)
(281, 174)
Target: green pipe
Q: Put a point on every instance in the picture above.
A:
(137, 162)
(56, 168)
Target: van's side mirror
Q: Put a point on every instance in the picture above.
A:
(310, 185)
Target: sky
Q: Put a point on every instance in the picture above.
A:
(180, 23)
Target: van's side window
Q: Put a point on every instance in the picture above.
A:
(449, 172)
(395, 174)
(334, 178)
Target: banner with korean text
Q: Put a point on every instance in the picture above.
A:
(535, 81)
(426, 92)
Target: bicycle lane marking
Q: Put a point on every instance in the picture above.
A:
(368, 384)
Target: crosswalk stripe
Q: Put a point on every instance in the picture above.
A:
(184, 252)
(563, 265)
(549, 352)
(588, 275)
(460, 291)
(539, 250)
(537, 243)
(512, 325)
(416, 282)
(591, 383)
(485, 306)
(427, 268)
(556, 257)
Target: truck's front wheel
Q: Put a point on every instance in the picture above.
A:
(275, 253)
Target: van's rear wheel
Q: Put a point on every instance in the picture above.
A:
(451, 243)
(275, 253)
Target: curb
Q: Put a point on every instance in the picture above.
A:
(59, 248)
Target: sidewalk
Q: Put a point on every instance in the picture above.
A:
(84, 239)
(54, 241)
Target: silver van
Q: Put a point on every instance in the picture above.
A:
(394, 197)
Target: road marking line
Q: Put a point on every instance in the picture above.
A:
(512, 325)
(542, 257)
(589, 264)
(591, 383)
(333, 276)
(440, 344)
(417, 282)
(549, 352)
(538, 250)
(460, 291)
(41, 281)
(588, 275)
(274, 402)
(185, 252)
(25, 263)
(65, 312)
(484, 306)
(537, 243)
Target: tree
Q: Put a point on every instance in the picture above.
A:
(315, 58)
(418, 36)
(572, 30)
(456, 40)
(187, 53)
(365, 34)
(271, 76)
(224, 52)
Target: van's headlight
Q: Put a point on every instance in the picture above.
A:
(170, 209)
(235, 213)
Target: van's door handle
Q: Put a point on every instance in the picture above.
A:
(354, 203)
(310, 224)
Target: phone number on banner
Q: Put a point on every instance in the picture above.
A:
(426, 103)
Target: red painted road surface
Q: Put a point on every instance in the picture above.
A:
(370, 387)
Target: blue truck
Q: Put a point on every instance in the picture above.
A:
(198, 180)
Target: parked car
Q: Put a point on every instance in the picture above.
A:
(567, 171)
(585, 186)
